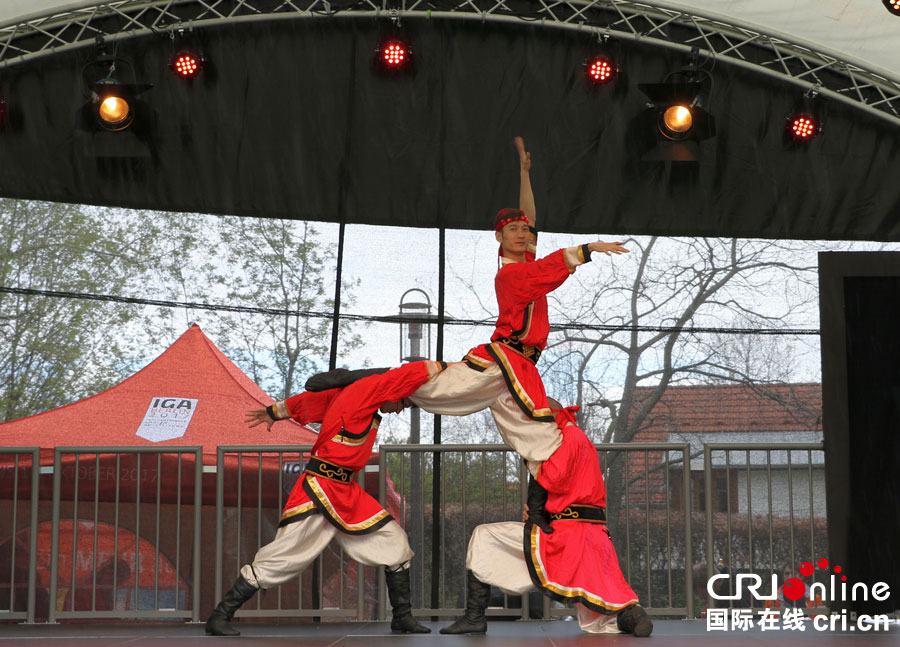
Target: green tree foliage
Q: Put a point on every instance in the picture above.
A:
(56, 350)
(280, 264)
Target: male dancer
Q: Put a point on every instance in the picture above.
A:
(327, 502)
(571, 559)
(502, 374)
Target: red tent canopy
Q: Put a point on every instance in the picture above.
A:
(192, 394)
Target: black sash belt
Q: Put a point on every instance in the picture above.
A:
(586, 513)
(529, 352)
(329, 470)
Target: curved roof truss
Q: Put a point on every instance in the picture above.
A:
(718, 38)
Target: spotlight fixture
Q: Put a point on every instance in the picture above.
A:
(111, 104)
(115, 103)
(188, 59)
(893, 6)
(804, 122)
(680, 121)
(600, 69)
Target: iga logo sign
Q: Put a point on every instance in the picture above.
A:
(167, 418)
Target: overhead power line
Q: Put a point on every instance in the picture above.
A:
(313, 314)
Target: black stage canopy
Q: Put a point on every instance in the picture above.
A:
(291, 121)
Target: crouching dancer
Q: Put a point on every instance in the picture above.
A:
(564, 549)
(327, 502)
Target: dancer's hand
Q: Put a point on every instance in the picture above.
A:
(607, 248)
(524, 156)
(258, 417)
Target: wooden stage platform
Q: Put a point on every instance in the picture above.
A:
(556, 633)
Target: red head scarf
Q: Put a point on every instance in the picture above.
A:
(506, 216)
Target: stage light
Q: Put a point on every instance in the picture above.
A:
(893, 6)
(803, 127)
(187, 59)
(186, 65)
(679, 119)
(804, 121)
(600, 70)
(394, 54)
(114, 109)
(676, 121)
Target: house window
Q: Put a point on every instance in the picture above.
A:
(725, 490)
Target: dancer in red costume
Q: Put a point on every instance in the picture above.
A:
(502, 375)
(327, 501)
(571, 560)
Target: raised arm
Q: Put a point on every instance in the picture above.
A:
(526, 195)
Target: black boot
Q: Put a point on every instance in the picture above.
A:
(401, 603)
(218, 622)
(634, 620)
(477, 596)
(537, 498)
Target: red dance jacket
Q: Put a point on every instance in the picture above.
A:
(523, 325)
(349, 425)
(577, 562)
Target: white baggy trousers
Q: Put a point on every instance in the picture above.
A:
(496, 556)
(297, 544)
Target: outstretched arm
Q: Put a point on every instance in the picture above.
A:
(526, 195)
(607, 248)
(259, 416)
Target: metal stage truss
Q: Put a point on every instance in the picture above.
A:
(712, 36)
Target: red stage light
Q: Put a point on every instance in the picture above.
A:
(186, 65)
(601, 70)
(394, 54)
(803, 127)
(893, 6)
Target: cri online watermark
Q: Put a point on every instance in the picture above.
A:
(792, 594)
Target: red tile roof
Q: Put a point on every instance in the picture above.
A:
(737, 408)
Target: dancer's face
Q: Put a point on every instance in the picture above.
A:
(514, 238)
(395, 407)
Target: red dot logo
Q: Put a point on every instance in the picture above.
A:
(806, 569)
(794, 589)
(823, 563)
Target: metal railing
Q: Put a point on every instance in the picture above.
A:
(120, 486)
(12, 462)
(256, 481)
(124, 525)
(487, 483)
(792, 510)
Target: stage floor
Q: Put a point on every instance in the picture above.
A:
(557, 633)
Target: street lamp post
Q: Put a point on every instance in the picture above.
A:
(415, 339)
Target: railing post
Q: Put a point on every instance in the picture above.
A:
(220, 517)
(198, 545)
(688, 531)
(54, 537)
(32, 543)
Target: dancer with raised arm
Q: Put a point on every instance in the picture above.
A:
(502, 374)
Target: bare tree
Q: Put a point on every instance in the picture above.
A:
(623, 342)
